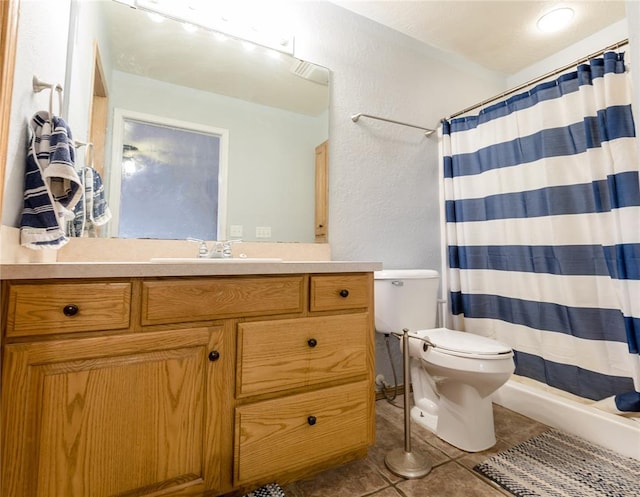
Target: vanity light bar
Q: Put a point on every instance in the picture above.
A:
(210, 21)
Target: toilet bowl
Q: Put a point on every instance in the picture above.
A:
(453, 373)
(453, 380)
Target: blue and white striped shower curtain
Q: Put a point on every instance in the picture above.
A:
(542, 222)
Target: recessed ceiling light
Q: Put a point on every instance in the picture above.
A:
(555, 20)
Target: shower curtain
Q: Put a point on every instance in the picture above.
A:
(542, 225)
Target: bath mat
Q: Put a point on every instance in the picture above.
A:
(270, 490)
(557, 464)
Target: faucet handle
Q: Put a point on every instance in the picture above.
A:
(203, 250)
(226, 247)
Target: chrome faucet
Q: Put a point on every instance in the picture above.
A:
(220, 250)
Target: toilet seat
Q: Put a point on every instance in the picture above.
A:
(465, 344)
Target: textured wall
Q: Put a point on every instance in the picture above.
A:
(383, 177)
(40, 54)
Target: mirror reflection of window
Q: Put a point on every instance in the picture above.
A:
(172, 181)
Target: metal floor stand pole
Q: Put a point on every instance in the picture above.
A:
(404, 462)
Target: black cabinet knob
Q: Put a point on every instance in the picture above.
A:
(214, 355)
(344, 293)
(311, 420)
(312, 342)
(70, 310)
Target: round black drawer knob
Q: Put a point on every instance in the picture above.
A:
(311, 420)
(344, 293)
(214, 355)
(312, 342)
(70, 310)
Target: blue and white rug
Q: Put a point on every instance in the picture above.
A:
(557, 464)
(270, 490)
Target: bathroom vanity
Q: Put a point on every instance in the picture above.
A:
(182, 379)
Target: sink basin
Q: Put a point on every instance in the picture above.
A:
(197, 260)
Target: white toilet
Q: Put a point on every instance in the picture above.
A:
(453, 378)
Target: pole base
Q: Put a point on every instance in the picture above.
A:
(407, 464)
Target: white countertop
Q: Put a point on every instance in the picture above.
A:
(152, 269)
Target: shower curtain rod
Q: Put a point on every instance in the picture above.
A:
(542, 78)
(427, 131)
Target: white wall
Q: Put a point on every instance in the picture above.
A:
(40, 54)
(383, 180)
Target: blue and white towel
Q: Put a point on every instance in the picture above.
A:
(93, 210)
(52, 186)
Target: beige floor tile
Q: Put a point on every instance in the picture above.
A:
(387, 492)
(352, 479)
(448, 480)
(514, 428)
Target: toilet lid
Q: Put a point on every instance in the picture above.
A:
(464, 342)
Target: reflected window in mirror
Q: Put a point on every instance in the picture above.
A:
(170, 177)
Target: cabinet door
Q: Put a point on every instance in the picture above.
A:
(112, 416)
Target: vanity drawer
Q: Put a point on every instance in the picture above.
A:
(282, 354)
(50, 308)
(298, 431)
(335, 292)
(214, 298)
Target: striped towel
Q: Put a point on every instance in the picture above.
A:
(93, 210)
(52, 186)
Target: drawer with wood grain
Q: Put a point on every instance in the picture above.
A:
(299, 431)
(292, 353)
(52, 308)
(335, 292)
(198, 299)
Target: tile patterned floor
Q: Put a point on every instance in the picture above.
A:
(452, 474)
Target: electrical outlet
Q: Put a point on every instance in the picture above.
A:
(263, 231)
(235, 230)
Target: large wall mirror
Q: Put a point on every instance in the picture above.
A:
(272, 107)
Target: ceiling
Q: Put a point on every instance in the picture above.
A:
(480, 30)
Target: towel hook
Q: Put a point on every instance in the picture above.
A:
(88, 155)
(38, 86)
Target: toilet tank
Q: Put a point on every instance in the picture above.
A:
(405, 298)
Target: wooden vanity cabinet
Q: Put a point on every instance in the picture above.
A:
(166, 386)
(110, 416)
